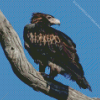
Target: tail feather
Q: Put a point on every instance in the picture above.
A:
(81, 81)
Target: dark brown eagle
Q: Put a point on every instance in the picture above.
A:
(51, 47)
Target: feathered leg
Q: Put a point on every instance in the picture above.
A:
(42, 68)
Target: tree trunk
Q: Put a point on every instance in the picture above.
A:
(13, 50)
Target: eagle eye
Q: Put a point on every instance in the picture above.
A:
(49, 17)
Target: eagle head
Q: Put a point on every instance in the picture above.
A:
(44, 19)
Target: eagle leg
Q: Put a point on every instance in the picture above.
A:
(52, 74)
(42, 68)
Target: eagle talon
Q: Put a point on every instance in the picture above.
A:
(51, 77)
(41, 73)
(44, 75)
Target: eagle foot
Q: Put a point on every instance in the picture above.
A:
(46, 76)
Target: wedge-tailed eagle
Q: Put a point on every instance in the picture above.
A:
(51, 47)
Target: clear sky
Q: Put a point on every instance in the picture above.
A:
(79, 19)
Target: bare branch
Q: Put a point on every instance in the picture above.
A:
(13, 50)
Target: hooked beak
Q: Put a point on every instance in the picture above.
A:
(54, 21)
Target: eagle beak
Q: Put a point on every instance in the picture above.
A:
(57, 22)
(54, 21)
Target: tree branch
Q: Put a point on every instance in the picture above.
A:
(13, 50)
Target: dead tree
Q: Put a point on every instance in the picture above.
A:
(13, 50)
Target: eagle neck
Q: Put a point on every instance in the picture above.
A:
(42, 25)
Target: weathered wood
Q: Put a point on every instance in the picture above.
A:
(13, 50)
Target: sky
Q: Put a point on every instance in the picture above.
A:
(80, 20)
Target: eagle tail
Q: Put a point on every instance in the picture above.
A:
(80, 80)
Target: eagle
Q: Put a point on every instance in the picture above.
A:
(52, 48)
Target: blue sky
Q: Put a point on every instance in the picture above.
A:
(80, 22)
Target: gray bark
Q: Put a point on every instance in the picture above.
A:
(13, 50)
